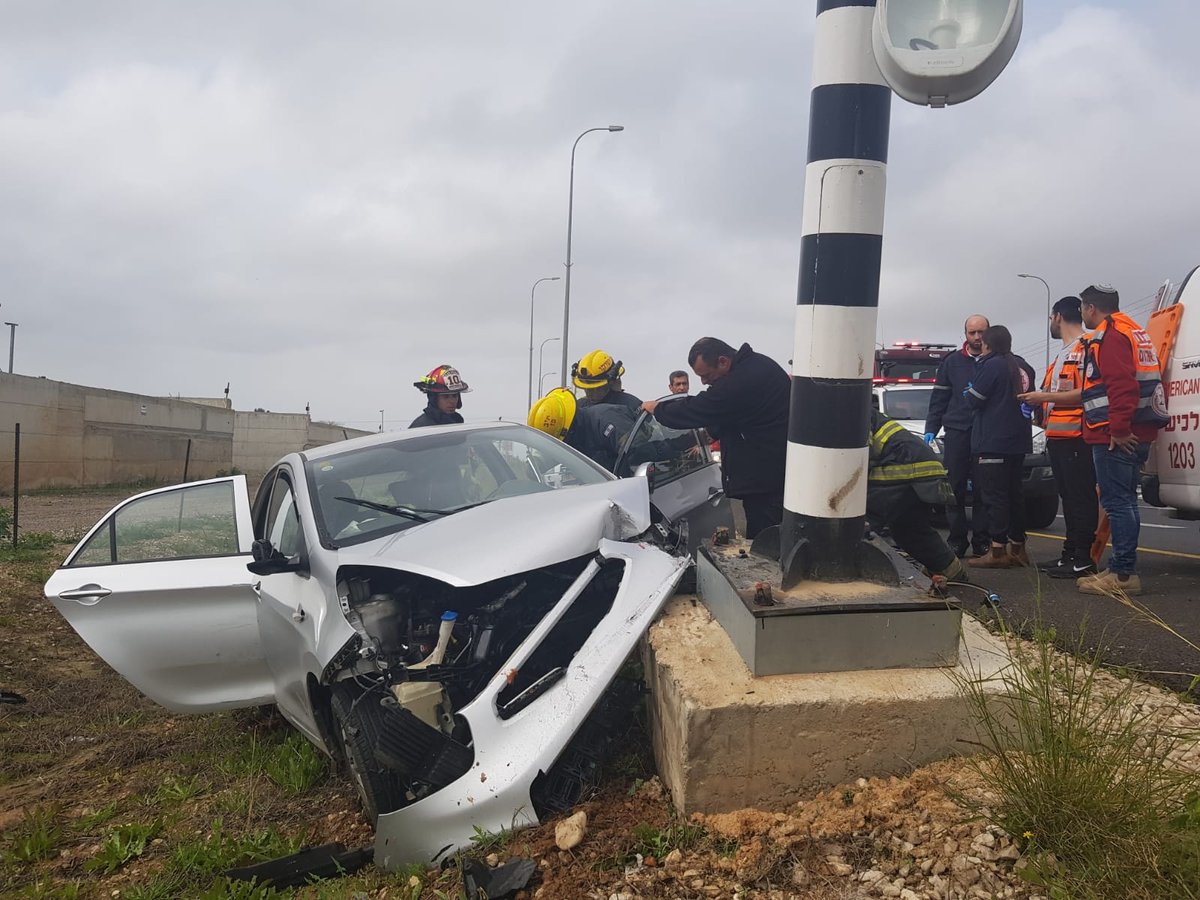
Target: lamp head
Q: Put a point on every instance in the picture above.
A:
(616, 127)
(940, 52)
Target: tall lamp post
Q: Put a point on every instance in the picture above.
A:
(12, 341)
(541, 353)
(1047, 327)
(541, 378)
(933, 54)
(567, 287)
(529, 380)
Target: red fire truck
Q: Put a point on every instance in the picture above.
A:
(910, 361)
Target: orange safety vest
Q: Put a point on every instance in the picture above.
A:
(1065, 421)
(1152, 399)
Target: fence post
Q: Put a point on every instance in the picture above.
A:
(187, 458)
(16, 482)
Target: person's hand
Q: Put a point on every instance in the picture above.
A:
(1126, 444)
(1032, 397)
(929, 437)
(650, 405)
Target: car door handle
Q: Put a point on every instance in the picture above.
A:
(87, 595)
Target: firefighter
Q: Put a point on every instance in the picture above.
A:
(905, 479)
(599, 375)
(1070, 456)
(596, 431)
(443, 388)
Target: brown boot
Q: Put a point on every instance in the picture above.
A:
(1017, 553)
(998, 558)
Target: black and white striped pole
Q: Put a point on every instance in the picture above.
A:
(948, 52)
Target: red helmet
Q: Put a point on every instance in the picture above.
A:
(442, 380)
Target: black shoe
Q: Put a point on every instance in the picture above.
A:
(1073, 569)
(981, 549)
(960, 550)
(1053, 565)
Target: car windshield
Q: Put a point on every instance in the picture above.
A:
(907, 403)
(915, 369)
(367, 492)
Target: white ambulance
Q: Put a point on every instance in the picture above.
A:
(1171, 477)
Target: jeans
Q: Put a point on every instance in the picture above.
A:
(1075, 475)
(1117, 474)
(762, 511)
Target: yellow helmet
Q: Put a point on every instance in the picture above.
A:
(596, 369)
(554, 413)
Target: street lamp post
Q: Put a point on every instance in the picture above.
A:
(541, 352)
(1047, 327)
(381, 421)
(529, 380)
(567, 287)
(12, 340)
(540, 379)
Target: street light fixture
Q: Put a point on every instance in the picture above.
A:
(1047, 326)
(540, 385)
(570, 215)
(940, 52)
(529, 380)
(541, 352)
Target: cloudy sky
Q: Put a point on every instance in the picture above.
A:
(318, 202)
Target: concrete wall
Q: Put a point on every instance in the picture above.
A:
(73, 436)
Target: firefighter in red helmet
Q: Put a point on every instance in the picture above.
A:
(443, 388)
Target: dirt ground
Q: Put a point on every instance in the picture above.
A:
(89, 755)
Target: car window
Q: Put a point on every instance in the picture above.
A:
(672, 453)
(191, 521)
(430, 474)
(909, 403)
(283, 519)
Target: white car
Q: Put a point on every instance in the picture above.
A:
(442, 608)
(909, 404)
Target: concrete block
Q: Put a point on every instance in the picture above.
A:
(726, 740)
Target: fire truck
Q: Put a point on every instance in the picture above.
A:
(910, 362)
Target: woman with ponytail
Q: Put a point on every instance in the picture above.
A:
(1001, 435)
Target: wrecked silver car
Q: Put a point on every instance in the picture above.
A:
(442, 609)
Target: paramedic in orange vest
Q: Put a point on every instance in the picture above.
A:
(1070, 455)
(1124, 406)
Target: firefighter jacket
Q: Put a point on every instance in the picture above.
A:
(901, 462)
(1064, 420)
(1150, 406)
(599, 431)
(431, 415)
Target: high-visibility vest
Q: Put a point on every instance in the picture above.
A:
(1152, 399)
(1065, 420)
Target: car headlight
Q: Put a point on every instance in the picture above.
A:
(1039, 442)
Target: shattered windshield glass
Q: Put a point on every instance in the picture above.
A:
(371, 491)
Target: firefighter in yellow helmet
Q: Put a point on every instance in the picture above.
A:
(599, 375)
(596, 431)
(443, 388)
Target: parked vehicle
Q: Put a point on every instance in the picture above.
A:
(909, 404)
(907, 362)
(440, 608)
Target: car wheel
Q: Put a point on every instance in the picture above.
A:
(356, 717)
(1150, 491)
(1041, 512)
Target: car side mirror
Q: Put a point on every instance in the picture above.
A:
(269, 561)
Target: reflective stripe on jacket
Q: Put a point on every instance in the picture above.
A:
(1065, 420)
(899, 460)
(1152, 401)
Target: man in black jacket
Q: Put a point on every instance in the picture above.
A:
(745, 408)
(948, 409)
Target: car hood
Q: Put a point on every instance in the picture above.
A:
(516, 534)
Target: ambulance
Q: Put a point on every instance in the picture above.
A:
(1170, 477)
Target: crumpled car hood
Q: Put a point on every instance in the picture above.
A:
(516, 534)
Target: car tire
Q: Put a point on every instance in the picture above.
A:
(1150, 492)
(1040, 512)
(356, 720)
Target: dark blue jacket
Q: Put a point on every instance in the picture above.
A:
(1000, 427)
(599, 430)
(947, 408)
(747, 411)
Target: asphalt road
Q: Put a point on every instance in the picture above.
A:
(1169, 565)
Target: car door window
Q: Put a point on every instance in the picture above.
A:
(672, 453)
(283, 519)
(187, 522)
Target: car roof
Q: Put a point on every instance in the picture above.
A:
(391, 437)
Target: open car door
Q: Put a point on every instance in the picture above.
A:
(160, 590)
(685, 481)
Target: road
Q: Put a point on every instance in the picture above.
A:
(1169, 565)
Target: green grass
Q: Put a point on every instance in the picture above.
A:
(1083, 777)
(35, 837)
(99, 817)
(295, 765)
(122, 844)
(658, 842)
